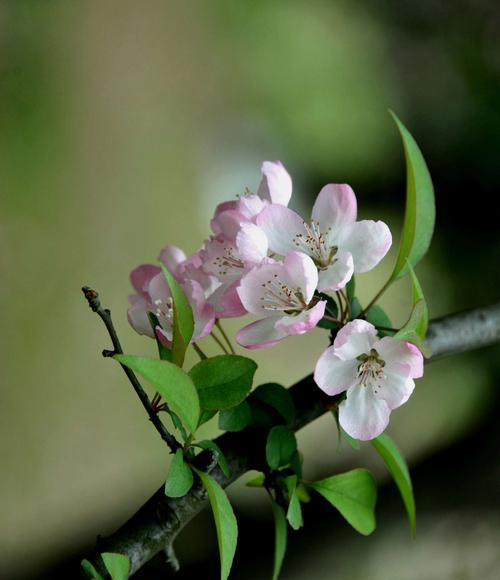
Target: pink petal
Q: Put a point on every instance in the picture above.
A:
(141, 276)
(301, 272)
(276, 184)
(203, 313)
(304, 321)
(252, 244)
(355, 338)
(228, 223)
(226, 301)
(362, 415)
(251, 288)
(335, 206)
(251, 205)
(282, 226)
(338, 274)
(172, 256)
(334, 375)
(221, 259)
(260, 334)
(137, 315)
(392, 350)
(368, 242)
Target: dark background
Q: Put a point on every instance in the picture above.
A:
(122, 124)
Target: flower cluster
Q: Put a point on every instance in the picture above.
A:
(264, 259)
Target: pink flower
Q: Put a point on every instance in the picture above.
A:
(275, 187)
(228, 261)
(337, 243)
(376, 373)
(281, 293)
(153, 296)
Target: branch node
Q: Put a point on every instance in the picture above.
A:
(108, 353)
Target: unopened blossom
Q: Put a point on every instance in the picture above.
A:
(275, 187)
(376, 374)
(228, 260)
(336, 242)
(154, 296)
(282, 294)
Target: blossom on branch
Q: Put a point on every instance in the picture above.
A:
(375, 373)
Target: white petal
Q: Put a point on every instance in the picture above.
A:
(368, 242)
(260, 334)
(334, 375)
(301, 272)
(335, 206)
(338, 274)
(392, 350)
(395, 389)
(252, 288)
(281, 226)
(138, 315)
(362, 415)
(304, 321)
(276, 184)
(252, 244)
(355, 338)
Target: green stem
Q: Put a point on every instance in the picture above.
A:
(199, 352)
(219, 342)
(225, 336)
(375, 298)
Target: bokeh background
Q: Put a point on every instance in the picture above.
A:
(122, 124)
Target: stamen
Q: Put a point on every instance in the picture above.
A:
(279, 297)
(315, 244)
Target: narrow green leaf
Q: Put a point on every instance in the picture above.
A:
(223, 381)
(225, 522)
(331, 310)
(206, 415)
(277, 397)
(396, 464)
(221, 458)
(180, 477)
(409, 331)
(163, 352)
(377, 316)
(90, 571)
(257, 481)
(351, 289)
(280, 538)
(117, 565)
(417, 295)
(354, 494)
(173, 384)
(235, 418)
(356, 308)
(183, 323)
(294, 512)
(280, 447)
(420, 213)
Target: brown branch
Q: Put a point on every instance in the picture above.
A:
(93, 299)
(156, 524)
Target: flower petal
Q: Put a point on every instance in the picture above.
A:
(203, 312)
(276, 184)
(335, 206)
(141, 277)
(355, 338)
(252, 244)
(368, 242)
(137, 315)
(338, 274)
(304, 321)
(260, 334)
(172, 256)
(392, 350)
(362, 415)
(395, 389)
(281, 226)
(226, 301)
(252, 288)
(334, 375)
(301, 272)
(228, 223)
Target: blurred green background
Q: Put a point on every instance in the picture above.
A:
(122, 124)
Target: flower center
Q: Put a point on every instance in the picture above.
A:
(315, 244)
(164, 309)
(228, 262)
(371, 370)
(279, 297)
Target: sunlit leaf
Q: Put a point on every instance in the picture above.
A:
(117, 565)
(280, 538)
(173, 384)
(180, 477)
(294, 512)
(90, 571)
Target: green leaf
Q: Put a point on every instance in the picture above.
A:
(235, 418)
(294, 512)
(206, 415)
(180, 477)
(409, 332)
(377, 316)
(354, 494)
(280, 447)
(277, 397)
(397, 467)
(356, 308)
(163, 352)
(183, 323)
(351, 289)
(90, 571)
(257, 481)
(280, 538)
(117, 565)
(417, 295)
(225, 522)
(173, 384)
(331, 309)
(420, 213)
(223, 381)
(221, 458)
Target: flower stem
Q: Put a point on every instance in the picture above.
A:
(225, 336)
(374, 299)
(219, 342)
(199, 352)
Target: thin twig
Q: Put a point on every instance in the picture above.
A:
(218, 324)
(105, 314)
(219, 342)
